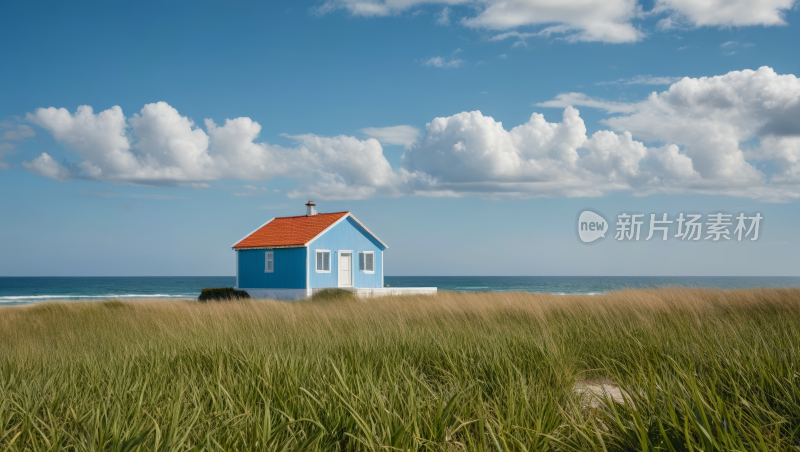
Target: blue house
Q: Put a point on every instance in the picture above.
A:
(291, 257)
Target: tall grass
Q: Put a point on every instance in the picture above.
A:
(706, 370)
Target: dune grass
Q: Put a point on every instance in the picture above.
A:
(706, 370)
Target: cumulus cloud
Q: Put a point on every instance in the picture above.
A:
(694, 132)
(610, 21)
(686, 139)
(710, 116)
(46, 166)
(470, 153)
(395, 135)
(159, 146)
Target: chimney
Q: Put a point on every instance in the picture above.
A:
(310, 208)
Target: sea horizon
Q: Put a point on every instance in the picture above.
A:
(20, 290)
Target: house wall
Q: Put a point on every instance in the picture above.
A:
(289, 265)
(347, 235)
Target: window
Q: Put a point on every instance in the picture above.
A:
(323, 261)
(366, 261)
(269, 263)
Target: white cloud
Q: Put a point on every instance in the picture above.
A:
(503, 56)
(610, 21)
(166, 148)
(521, 37)
(349, 168)
(696, 128)
(470, 153)
(395, 135)
(512, 34)
(44, 165)
(710, 116)
(99, 139)
(371, 8)
(686, 139)
(443, 17)
(443, 62)
(729, 44)
(725, 13)
(564, 100)
(576, 20)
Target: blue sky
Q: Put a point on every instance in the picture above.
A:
(416, 116)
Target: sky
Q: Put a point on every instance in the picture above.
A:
(144, 139)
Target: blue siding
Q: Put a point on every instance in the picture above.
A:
(289, 265)
(347, 235)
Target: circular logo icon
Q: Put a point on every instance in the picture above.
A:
(591, 226)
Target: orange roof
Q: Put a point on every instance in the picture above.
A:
(289, 231)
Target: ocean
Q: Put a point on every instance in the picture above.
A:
(25, 290)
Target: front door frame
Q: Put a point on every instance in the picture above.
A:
(339, 266)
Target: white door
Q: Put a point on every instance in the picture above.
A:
(346, 270)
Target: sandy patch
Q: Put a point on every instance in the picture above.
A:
(593, 393)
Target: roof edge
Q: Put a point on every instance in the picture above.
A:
(349, 214)
(370, 232)
(248, 235)
(269, 247)
(346, 214)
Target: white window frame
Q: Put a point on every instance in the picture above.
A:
(330, 264)
(364, 253)
(269, 256)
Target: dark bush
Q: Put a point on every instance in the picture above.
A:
(222, 294)
(333, 294)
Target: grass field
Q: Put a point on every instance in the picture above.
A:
(706, 370)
